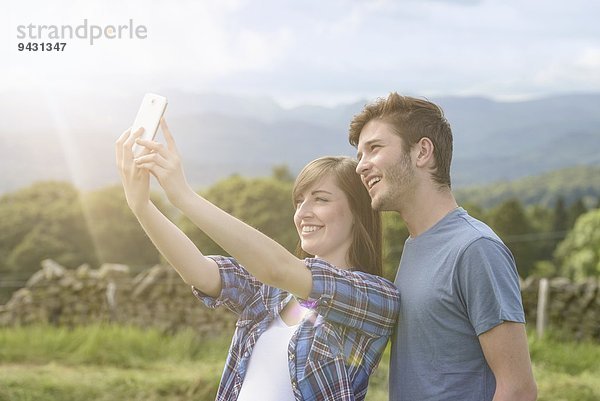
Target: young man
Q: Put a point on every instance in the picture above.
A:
(461, 333)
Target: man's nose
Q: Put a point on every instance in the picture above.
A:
(362, 166)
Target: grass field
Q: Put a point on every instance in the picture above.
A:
(124, 363)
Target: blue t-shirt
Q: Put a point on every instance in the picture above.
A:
(457, 280)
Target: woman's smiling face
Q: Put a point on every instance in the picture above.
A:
(324, 221)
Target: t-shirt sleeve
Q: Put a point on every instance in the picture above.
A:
(359, 300)
(238, 286)
(488, 285)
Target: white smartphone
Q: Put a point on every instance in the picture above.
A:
(151, 111)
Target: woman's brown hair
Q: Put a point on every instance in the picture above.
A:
(365, 253)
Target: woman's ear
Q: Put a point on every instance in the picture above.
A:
(425, 153)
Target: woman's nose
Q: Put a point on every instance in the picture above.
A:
(304, 209)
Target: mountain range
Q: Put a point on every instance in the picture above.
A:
(71, 136)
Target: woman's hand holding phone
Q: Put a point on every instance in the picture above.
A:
(148, 116)
(136, 181)
(139, 155)
(164, 163)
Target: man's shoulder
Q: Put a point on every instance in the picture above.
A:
(479, 242)
(454, 234)
(468, 229)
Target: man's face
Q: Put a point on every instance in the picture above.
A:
(384, 166)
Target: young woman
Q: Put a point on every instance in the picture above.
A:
(309, 328)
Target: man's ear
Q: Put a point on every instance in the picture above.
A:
(424, 153)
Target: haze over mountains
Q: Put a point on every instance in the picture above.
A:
(49, 136)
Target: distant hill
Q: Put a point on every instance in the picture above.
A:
(58, 136)
(571, 183)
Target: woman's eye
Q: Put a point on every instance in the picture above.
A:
(321, 199)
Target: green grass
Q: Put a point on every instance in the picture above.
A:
(105, 345)
(125, 363)
(107, 363)
(566, 371)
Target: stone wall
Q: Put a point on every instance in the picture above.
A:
(573, 308)
(157, 298)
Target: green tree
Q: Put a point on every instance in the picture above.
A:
(542, 220)
(41, 221)
(118, 236)
(512, 225)
(474, 210)
(395, 234)
(560, 220)
(579, 254)
(558, 229)
(283, 173)
(575, 210)
(540, 217)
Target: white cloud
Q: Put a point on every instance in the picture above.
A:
(333, 50)
(580, 73)
(590, 60)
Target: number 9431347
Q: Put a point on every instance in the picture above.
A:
(42, 46)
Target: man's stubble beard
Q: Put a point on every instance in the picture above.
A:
(400, 181)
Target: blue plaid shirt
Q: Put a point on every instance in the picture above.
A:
(334, 350)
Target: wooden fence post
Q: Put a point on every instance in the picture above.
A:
(542, 308)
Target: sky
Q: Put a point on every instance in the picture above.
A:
(317, 52)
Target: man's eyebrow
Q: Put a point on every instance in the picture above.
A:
(367, 144)
(372, 141)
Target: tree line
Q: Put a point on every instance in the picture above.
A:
(55, 220)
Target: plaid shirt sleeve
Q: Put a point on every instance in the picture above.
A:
(238, 286)
(359, 300)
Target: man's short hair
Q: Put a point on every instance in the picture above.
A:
(411, 119)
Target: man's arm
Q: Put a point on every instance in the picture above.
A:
(506, 352)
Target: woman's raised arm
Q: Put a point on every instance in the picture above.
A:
(264, 258)
(193, 267)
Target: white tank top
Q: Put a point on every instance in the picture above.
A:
(268, 374)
